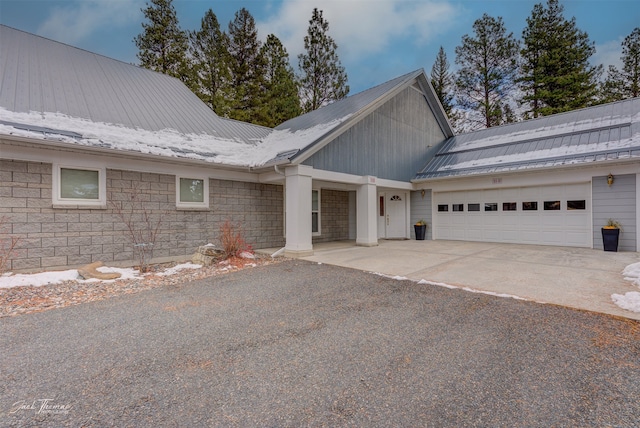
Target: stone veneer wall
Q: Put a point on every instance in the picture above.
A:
(52, 238)
(334, 216)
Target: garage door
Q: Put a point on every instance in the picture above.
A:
(549, 215)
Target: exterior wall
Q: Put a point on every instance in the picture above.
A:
(334, 216)
(619, 203)
(393, 142)
(421, 210)
(56, 238)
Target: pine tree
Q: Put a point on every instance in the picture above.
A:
(280, 101)
(626, 82)
(323, 79)
(211, 64)
(488, 66)
(556, 74)
(162, 45)
(247, 67)
(442, 81)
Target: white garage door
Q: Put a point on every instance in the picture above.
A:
(548, 215)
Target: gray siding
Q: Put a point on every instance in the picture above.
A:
(421, 209)
(619, 203)
(392, 142)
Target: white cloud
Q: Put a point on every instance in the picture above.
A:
(608, 54)
(79, 19)
(360, 27)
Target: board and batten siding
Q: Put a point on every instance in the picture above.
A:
(421, 210)
(393, 142)
(619, 203)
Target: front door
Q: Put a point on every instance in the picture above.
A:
(396, 216)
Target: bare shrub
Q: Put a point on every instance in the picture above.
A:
(7, 244)
(142, 226)
(231, 240)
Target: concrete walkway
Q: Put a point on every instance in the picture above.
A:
(575, 277)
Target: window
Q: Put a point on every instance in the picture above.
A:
(491, 206)
(443, 208)
(457, 207)
(315, 212)
(192, 193)
(381, 206)
(576, 205)
(529, 206)
(551, 205)
(473, 207)
(509, 206)
(79, 186)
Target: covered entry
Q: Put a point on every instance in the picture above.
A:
(543, 215)
(393, 209)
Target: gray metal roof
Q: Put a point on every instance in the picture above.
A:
(606, 132)
(344, 112)
(41, 75)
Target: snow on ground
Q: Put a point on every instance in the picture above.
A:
(631, 300)
(56, 277)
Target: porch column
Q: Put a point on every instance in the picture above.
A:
(367, 226)
(298, 211)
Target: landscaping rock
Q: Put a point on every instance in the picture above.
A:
(207, 255)
(90, 272)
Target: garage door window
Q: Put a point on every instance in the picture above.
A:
(529, 206)
(509, 206)
(576, 205)
(551, 205)
(491, 206)
(473, 207)
(443, 208)
(457, 207)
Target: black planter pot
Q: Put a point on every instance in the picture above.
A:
(421, 230)
(610, 239)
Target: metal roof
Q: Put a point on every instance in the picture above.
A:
(343, 113)
(595, 134)
(41, 75)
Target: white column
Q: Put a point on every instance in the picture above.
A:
(367, 227)
(298, 211)
(637, 212)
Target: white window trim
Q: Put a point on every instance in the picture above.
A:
(204, 205)
(59, 201)
(319, 211)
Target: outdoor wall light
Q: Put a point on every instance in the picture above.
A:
(610, 179)
(422, 193)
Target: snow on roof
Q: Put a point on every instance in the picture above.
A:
(610, 131)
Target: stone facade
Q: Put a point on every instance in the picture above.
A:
(52, 238)
(334, 216)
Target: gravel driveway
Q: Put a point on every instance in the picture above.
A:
(302, 344)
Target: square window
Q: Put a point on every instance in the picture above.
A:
(551, 205)
(192, 193)
(529, 206)
(577, 205)
(457, 207)
(491, 206)
(443, 208)
(473, 207)
(509, 206)
(79, 186)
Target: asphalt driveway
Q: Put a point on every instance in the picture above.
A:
(303, 344)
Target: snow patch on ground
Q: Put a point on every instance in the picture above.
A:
(56, 277)
(629, 301)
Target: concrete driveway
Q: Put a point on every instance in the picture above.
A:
(579, 278)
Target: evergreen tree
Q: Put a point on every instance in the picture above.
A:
(442, 81)
(280, 101)
(626, 82)
(556, 74)
(246, 66)
(323, 79)
(488, 67)
(211, 64)
(162, 45)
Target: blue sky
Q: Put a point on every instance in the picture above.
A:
(378, 39)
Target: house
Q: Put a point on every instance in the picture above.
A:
(80, 133)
